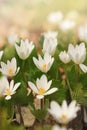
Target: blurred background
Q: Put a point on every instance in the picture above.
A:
(29, 18)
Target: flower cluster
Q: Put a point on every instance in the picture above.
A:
(40, 74)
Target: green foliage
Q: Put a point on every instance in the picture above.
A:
(61, 94)
(43, 128)
(9, 53)
(39, 113)
(5, 124)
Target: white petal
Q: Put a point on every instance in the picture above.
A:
(17, 70)
(51, 91)
(33, 87)
(1, 53)
(83, 68)
(8, 97)
(55, 107)
(14, 64)
(11, 84)
(40, 96)
(16, 87)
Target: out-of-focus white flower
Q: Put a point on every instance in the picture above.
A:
(55, 17)
(1, 53)
(2, 85)
(50, 35)
(83, 68)
(77, 53)
(13, 38)
(66, 25)
(82, 32)
(64, 57)
(57, 127)
(65, 113)
(8, 88)
(45, 63)
(42, 87)
(72, 15)
(50, 42)
(10, 69)
(25, 49)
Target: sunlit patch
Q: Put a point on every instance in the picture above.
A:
(44, 66)
(10, 71)
(8, 92)
(41, 91)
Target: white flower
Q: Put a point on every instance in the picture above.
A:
(42, 87)
(25, 49)
(63, 114)
(57, 127)
(67, 25)
(50, 42)
(82, 32)
(50, 35)
(2, 85)
(77, 53)
(45, 63)
(13, 38)
(1, 53)
(83, 68)
(10, 69)
(64, 57)
(55, 17)
(9, 88)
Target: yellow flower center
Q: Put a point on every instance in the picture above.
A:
(10, 71)
(44, 66)
(64, 117)
(41, 91)
(8, 92)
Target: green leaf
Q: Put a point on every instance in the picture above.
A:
(59, 95)
(9, 53)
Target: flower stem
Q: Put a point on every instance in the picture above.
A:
(21, 118)
(67, 83)
(77, 72)
(42, 103)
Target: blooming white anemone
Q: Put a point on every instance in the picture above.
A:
(10, 69)
(45, 63)
(63, 114)
(82, 32)
(67, 24)
(50, 42)
(57, 127)
(25, 49)
(1, 53)
(55, 17)
(13, 38)
(64, 57)
(8, 88)
(42, 87)
(77, 53)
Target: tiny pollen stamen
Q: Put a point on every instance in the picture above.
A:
(10, 71)
(64, 117)
(44, 66)
(41, 91)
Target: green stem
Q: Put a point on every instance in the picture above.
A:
(42, 103)
(77, 72)
(21, 118)
(67, 82)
